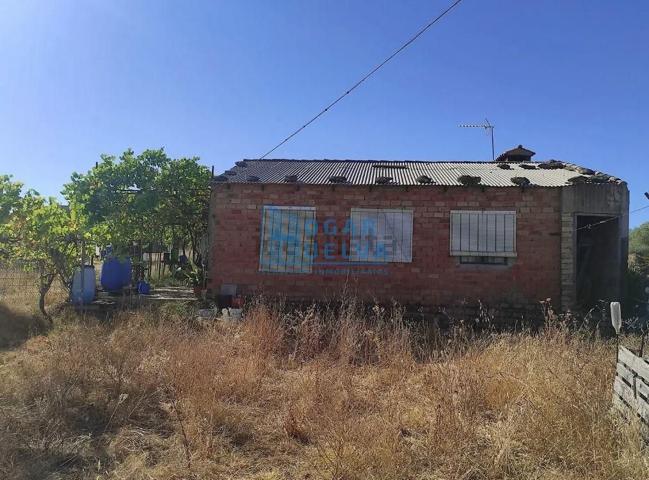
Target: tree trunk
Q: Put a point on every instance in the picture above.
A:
(41, 305)
(44, 288)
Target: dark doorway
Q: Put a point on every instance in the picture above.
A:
(598, 259)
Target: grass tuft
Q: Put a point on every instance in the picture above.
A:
(339, 394)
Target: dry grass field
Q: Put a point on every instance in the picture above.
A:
(157, 395)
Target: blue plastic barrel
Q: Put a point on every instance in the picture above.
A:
(83, 286)
(127, 270)
(143, 288)
(115, 274)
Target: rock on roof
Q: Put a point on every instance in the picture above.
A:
(389, 172)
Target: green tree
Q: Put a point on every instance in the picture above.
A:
(148, 197)
(10, 193)
(639, 249)
(42, 233)
(10, 197)
(639, 240)
(184, 201)
(638, 274)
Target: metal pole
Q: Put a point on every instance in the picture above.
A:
(487, 126)
(493, 150)
(83, 275)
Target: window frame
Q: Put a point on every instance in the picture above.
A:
(306, 264)
(373, 259)
(490, 261)
(484, 253)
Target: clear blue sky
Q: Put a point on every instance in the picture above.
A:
(226, 80)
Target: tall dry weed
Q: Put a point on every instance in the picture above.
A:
(342, 393)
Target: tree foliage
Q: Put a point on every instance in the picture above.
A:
(10, 193)
(40, 233)
(639, 240)
(639, 248)
(148, 197)
(10, 196)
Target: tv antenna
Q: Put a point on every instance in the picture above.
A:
(489, 128)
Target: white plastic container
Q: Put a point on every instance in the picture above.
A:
(83, 286)
(616, 317)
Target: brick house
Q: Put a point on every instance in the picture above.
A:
(425, 234)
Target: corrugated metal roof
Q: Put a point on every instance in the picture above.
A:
(366, 172)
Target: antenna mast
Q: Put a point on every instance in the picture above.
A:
(489, 128)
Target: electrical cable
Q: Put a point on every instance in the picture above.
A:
(368, 75)
(611, 219)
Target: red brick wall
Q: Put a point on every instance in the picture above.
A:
(433, 278)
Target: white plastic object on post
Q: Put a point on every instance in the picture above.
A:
(616, 316)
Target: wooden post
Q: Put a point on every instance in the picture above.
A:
(150, 260)
(83, 274)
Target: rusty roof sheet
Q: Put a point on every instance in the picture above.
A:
(366, 172)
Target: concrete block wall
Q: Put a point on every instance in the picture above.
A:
(608, 199)
(568, 261)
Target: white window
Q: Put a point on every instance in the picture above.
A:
(287, 239)
(380, 235)
(483, 233)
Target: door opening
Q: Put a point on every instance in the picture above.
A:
(598, 259)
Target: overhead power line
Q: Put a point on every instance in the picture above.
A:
(368, 75)
(591, 225)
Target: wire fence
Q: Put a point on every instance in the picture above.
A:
(19, 286)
